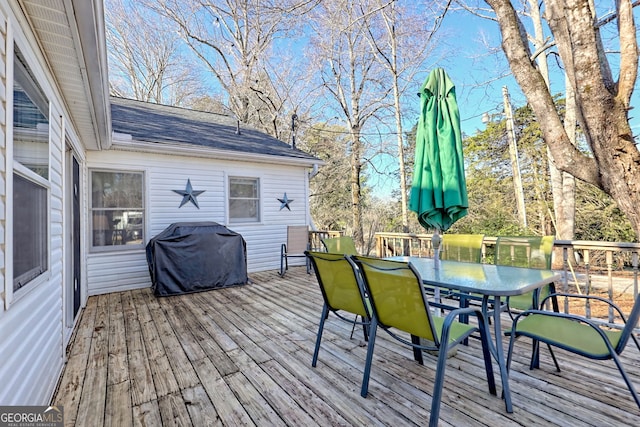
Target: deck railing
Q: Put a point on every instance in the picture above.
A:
(609, 269)
(316, 236)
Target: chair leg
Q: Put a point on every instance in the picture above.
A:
(367, 366)
(365, 332)
(535, 356)
(626, 379)
(283, 262)
(553, 356)
(325, 314)
(510, 351)
(439, 380)
(353, 328)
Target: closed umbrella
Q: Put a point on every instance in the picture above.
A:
(439, 190)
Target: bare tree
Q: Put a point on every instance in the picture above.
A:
(144, 59)
(613, 163)
(351, 78)
(237, 42)
(401, 42)
(562, 184)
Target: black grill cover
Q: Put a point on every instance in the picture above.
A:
(196, 256)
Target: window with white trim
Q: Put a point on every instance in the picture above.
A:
(117, 209)
(244, 199)
(30, 175)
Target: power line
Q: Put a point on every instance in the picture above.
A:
(349, 133)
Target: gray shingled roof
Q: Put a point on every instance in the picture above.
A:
(161, 123)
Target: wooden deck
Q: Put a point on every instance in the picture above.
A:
(242, 356)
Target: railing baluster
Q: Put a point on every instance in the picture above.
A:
(609, 261)
(565, 276)
(587, 283)
(634, 263)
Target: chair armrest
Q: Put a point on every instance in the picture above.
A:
(586, 297)
(462, 311)
(566, 316)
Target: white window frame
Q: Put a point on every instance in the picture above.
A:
(15, 167)
(236, 221)
(29, 175)
(117, 248)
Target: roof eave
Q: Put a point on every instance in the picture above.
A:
(90, 40)
(124, 142)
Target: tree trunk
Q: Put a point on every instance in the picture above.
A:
(356, 193)
(562, 184)
(603, 103)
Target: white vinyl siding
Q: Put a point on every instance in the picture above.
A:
(32, 344)
(164, 173)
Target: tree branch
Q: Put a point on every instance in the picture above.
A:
(515, 45)
(628, 52)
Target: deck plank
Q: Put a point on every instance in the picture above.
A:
(91, 409)
(228, 407)
(242, 356)
(118, 369)
(182, 369)
(201, 410)
(70, 386)
(118, 410)
(173, 410)
(147, 414)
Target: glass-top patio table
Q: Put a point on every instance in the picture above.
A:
(492, 282)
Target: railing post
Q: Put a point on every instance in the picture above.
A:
(634, 264)
(587, 283)
(609, 261)
(565, 276)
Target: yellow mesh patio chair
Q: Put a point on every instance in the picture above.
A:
(531, 252)
(399, 305)
(464, 248)
(297, 243)
(340, 245)
(461, 247)
(577, 334)
(341, 290)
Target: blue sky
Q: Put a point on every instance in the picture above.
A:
(470, 67)
(476, 74)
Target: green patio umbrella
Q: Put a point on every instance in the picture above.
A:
(439, 190)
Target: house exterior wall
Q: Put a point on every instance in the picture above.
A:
(164, 173)
(32, 330)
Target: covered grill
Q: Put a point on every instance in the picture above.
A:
(196, 256)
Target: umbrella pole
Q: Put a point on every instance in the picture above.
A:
(435, 243)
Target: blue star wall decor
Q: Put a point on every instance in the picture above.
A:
(285, 202)
(189, 195)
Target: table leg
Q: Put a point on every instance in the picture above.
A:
(498, 351)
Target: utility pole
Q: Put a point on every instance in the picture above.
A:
(515, 163)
